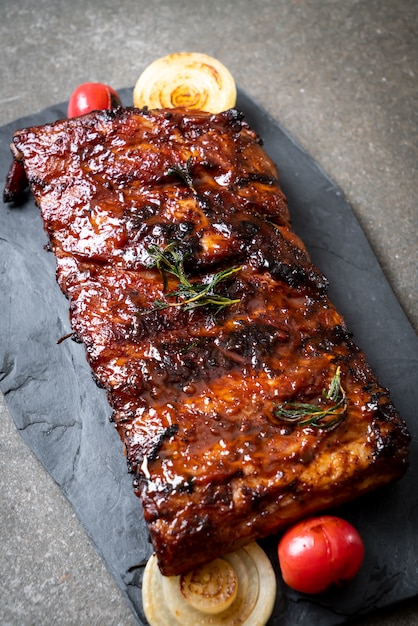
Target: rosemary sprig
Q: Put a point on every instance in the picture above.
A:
(170, 260)
(183, 172)
(326, 416)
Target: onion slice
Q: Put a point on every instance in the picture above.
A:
(190, 80)
(237, 590)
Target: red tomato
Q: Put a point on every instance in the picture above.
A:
(91, 97)
(319, 552)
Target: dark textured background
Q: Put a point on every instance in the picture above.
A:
(340, 76)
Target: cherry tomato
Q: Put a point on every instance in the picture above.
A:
(320, 552)
(91, 97)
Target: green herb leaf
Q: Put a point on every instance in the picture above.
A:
(183, 171)
(323, 415)
(189, 295)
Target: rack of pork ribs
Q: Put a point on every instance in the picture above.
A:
(233, 381)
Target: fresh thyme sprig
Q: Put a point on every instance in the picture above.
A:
(170, 260)
(326, 416)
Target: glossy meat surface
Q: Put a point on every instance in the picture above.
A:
(196, 392)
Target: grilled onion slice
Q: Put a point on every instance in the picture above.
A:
(236, 590)
(186, 79)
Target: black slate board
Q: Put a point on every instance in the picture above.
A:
(63, 416)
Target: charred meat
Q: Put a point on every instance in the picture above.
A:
(234, 383)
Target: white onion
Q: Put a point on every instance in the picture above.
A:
(237, 590)
(186, 79)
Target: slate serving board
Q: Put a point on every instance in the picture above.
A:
(64, 418)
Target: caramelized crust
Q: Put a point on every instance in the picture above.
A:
(194, 393)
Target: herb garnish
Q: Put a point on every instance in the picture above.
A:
(326, 416)
(183, 172)
(170, 260)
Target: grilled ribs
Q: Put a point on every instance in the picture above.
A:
(202, 395)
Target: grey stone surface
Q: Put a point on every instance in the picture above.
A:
(342, 77)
